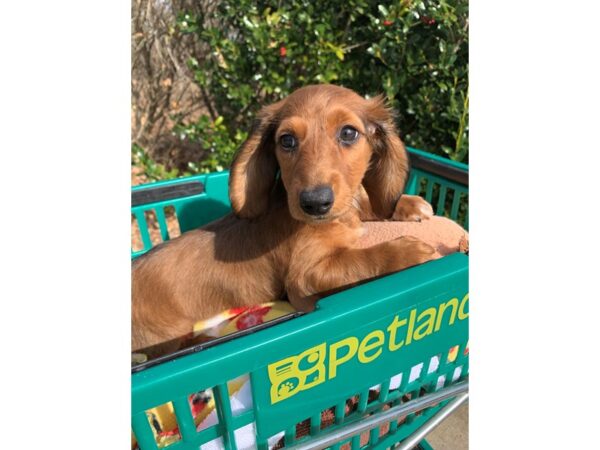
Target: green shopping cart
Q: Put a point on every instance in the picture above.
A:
(396, 348)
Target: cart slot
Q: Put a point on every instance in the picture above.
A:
(162, 193)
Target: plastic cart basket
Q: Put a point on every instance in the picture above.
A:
(406, 333)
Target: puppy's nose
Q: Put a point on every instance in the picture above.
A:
(317, 201)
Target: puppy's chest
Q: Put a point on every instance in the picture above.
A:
(316, 242)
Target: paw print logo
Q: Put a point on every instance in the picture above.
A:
(285, 388)
(297, 373)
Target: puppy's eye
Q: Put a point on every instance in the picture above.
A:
(288, 142)
(348, 135)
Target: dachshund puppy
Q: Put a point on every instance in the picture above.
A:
(315, 165)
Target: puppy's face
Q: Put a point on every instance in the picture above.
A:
(325, 141)
(323, 152)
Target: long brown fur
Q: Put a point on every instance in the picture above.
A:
(270, 247)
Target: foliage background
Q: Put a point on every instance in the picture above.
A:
(202, 69)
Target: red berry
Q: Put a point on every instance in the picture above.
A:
(387, 23)
(282, 51)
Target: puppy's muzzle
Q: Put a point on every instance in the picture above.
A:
(317, 201)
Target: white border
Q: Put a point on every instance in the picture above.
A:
(65, 81)
(534, 224)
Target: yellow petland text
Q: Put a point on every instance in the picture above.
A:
(323, 362)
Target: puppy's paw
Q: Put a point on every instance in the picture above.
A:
(410, 251)
(412, 208)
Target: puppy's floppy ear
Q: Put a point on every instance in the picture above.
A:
(254, 167)
(388, 169)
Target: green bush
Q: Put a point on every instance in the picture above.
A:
(219, 142)
(415, 52)
(150, 169)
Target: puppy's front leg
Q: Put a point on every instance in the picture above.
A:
(347, 266)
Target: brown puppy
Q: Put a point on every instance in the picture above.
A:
(339, 161)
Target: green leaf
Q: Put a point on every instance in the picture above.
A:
(339, 52)
(383, 10)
